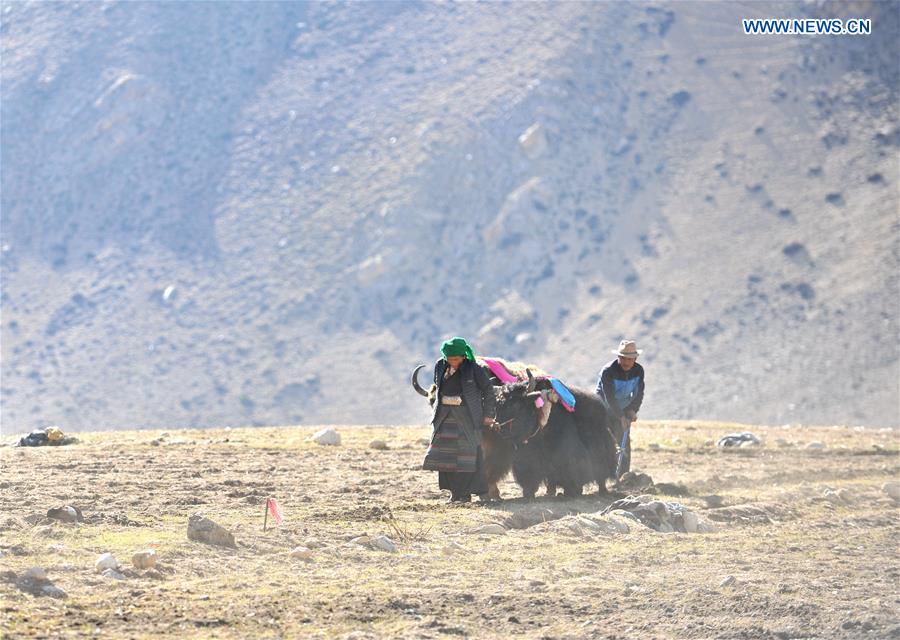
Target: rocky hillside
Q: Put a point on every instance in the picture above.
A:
(268, 213)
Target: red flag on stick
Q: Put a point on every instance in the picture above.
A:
(273, 508)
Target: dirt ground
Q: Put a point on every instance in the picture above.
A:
(785, 560)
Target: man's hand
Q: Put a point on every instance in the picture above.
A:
(630, 416)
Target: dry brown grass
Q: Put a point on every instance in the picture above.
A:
(815, 570)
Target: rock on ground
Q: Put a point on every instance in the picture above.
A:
(106, 561)
(52, 591)
(634, 481)
(202, 529)
(313, 543)
(145, 559)
(38, 574)
(453, 548)
(327, 437)
(738, 440)
(303, 553)
(892, 489)
(489, 529)
(378, 445)
(383, 543)
(65, 513)
(533, 141)
(665, 517)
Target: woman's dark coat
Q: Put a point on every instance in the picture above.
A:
(477, 391)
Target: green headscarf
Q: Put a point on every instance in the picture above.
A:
(457, 347)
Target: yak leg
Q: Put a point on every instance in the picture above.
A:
(528, 470)
(573, 491)
(497, 456)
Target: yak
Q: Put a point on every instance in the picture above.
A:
(556, 448)
(570, 450)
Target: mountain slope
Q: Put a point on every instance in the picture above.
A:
(218, 215)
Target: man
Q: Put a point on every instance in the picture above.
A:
(463, 406)
(621, 386)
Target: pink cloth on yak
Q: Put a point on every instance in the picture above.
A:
(503, 375)
(500, 371)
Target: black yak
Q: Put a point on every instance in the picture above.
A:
(571, 450)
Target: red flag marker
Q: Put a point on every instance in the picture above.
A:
(273, 508)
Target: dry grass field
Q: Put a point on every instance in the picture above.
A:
(790, 563)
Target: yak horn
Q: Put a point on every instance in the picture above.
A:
(530, 381)
(415, 382)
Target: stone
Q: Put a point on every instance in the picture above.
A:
(36, 574)
(781, 442)
(728, 581)
(202, 529)
(326, 437)
(709, 442)
(52, 591)
(588, 523)
(533, 141)
(383, 543)
(378, 445)
(302, 553)
(691, 521)
(65, 513)
(634, 481)
(832, 496)
(452, 549)
(113, 574)
(360, 540)
(492, 529)
(653, 446)
(714, 501)
(892, 489)
(618, 520)
(313, 543)
(815, 445)
(106, 561)
(738, 440)
(145, 559)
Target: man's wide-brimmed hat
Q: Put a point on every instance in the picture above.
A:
(628, 349)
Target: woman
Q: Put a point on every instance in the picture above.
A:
(463, 406)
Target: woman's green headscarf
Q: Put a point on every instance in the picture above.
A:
(457, 347)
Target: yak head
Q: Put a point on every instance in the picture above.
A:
(517, 416)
